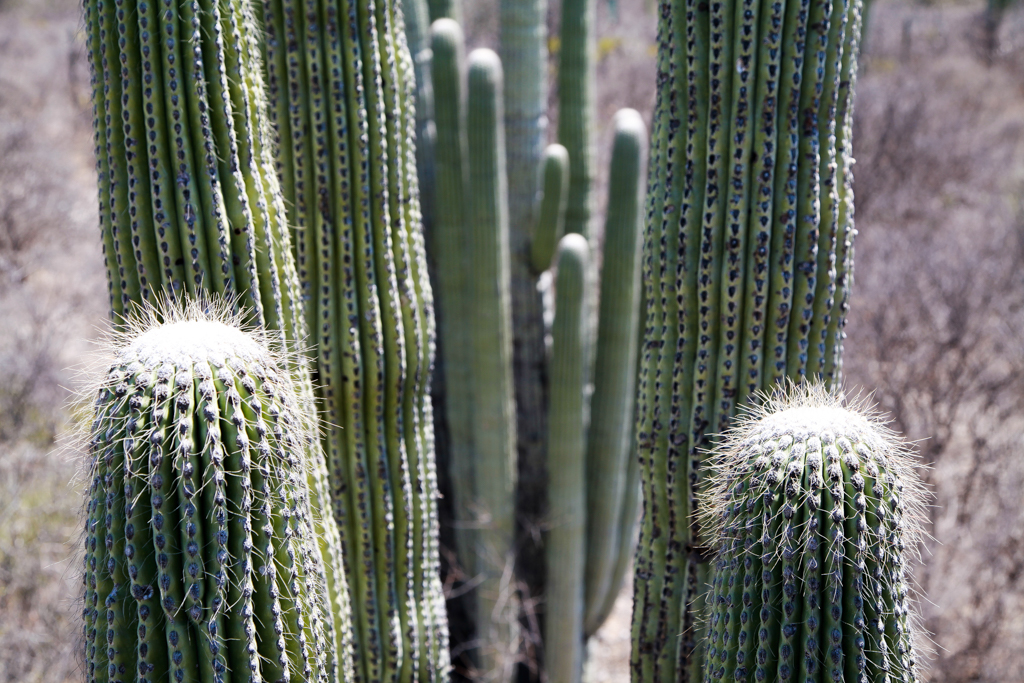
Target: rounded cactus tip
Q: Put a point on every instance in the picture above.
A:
(630, 121)
(815, 510)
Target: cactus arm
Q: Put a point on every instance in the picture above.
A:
(610, 431)
(417, 30)
(736, 193)
(566, 540)
(448, 245)
(762, 227)
(576, 108)
(551, 214)
(494, 435)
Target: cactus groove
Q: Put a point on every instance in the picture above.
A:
(747, 262)
(814, 509)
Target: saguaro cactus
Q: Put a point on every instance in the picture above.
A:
(747, 261)
(205, 557)
(814, 509)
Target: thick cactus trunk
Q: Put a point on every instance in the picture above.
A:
(814, 511)
(204, 554)
(342, 82)
(747, 259)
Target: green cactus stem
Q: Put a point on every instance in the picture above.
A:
(747, 263)
(565, 542)
(203, 557)
(343, 87)
(551, 216)
(814, 509)
(611, 427)
(576, 104)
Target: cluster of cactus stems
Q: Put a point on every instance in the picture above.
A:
(204, 555)
(265, 153)
(815, 511)
(487, 264)
(747, 261)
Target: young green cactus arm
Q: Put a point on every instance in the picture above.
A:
(448, 247)
(809, 499)
(576, 105)
(566, 540)
(609, 438)
(734, 231)
(494, 427)
(551, 214)
(195, 610)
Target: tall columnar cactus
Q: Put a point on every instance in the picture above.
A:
(342, 91)
(204, 555)
(814, 510)
(471, 205)
(747, 261)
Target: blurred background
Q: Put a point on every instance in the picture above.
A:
(936, 330)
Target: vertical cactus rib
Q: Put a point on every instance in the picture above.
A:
(551, 213)
(576, 108)
(490, 351)
(610, 432)
(831, 571)
(566, 540)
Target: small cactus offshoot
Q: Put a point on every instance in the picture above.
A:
(815, 510)
(204, 554)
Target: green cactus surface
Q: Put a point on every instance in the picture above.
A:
(815, 512)
(567, 466)
(612, 420)
(204, 557)
(576, 105)
(747, 264)
(551, 215)
(343, 96)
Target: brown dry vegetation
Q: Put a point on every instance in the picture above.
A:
(936, 329)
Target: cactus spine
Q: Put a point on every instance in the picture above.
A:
(342, 84)
(203, 554)
(814, 510)
(747, 262)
